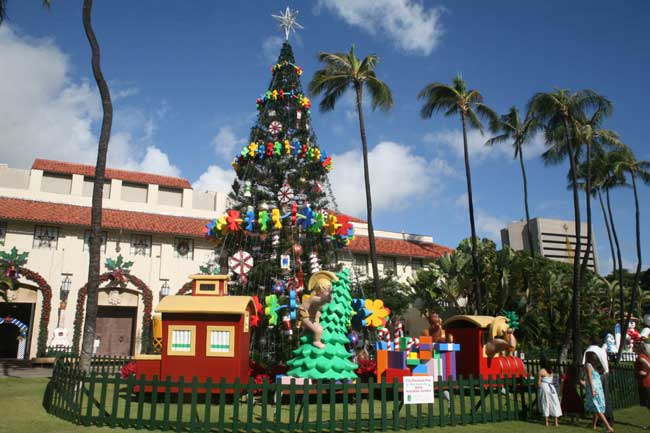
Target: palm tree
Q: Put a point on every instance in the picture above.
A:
(640, 169)
(615, 180)
(94, 250)
(560, 112)
(98, 185)
(343, 71)
(512, 128)
(456, 99)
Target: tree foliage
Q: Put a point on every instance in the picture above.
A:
(536, 288)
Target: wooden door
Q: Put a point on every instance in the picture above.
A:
(114, 330)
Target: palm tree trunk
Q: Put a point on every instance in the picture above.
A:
(621, 293)
(635, 288)
(609, 231)
(523, 175)
(366, 178)
(585, 258)
(98, 189)
(575, 301)
(470, 202)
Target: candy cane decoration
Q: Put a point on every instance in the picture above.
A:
(22, 334)
(412, 344)
(313, 262)
(399, 332)
(384, 334)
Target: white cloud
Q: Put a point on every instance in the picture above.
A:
(226, 142)
(45, 114)
(412, 27)
(478, 151)
(215, 178)
(398, 178)
(271, 48)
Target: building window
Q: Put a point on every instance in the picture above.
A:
(388, 264)
(46, 237)
(220, 341)
(182, 339)
(3, 232)
(57, 183)
(360, 263)
(417, 264)
(184, 248)
(134, 192)
(140, 245)
(87, 241)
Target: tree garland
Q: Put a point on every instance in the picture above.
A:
(187, 287)
(147, 299)
(46, 308)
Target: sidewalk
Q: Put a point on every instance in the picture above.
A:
(22, 369)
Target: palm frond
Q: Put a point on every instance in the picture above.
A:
(498, 139)
(380, 94)
(437, 97)
(474, 121)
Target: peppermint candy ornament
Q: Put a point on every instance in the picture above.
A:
(241, 262)
(285, 195)
(275, 127)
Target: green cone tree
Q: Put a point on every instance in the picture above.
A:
(333, 361)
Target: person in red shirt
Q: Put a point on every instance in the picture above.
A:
(642, 369)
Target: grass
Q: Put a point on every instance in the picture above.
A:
(22, 412)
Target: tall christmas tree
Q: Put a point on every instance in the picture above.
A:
(333, 361)
(280, 226)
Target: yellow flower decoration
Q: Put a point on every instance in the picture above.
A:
(378, 315)
(221, 223)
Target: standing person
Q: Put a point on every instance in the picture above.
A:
(549, 403)
(571, 400)
(604, 376)
(642, 370)
(594, 395)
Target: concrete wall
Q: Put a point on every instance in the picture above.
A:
(38, 186)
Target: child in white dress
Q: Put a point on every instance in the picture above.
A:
(547, 397)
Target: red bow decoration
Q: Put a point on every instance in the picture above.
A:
(345, 225)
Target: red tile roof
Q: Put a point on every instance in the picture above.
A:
(399, 247)
(111, 173)
(56, 213)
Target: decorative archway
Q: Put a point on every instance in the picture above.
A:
(12, 265)
(22, 334)
(147, 300)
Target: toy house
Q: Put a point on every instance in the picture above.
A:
(203, 335)
(473, 333)
(425, 358)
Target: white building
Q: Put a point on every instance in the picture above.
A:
(155, 221)
(553, 239)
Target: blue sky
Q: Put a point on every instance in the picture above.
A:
(185, 77)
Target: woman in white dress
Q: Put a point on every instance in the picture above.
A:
(549, 402)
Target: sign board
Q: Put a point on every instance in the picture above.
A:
(418, 389)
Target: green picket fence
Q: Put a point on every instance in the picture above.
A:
(622, 382)
(103, 398)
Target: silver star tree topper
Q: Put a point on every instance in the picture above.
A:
(287, 22)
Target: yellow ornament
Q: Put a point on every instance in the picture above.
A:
(332, 225)
(221, 223)
(275, 217)
(252, 149)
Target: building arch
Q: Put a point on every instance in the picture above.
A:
(147, 300)
(46, 305)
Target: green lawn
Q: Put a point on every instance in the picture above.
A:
(21, 409)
